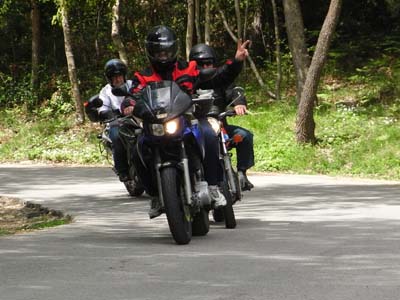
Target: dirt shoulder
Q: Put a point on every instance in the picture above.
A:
(17, 216)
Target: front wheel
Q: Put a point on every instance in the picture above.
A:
(229, 214)
(178, 216)
(134, 189)
(201, 223)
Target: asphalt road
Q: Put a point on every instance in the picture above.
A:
(298, 237)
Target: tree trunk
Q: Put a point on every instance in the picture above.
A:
(96, 35)
(115, 33)
(305, 125)
(277, 52)
(207, 20)
(79, 114)
(197, 20)
(35, 18)
(246, 16)
(189, 28)
(297, 42)
(238, 19)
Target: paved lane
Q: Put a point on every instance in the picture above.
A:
(298, 237)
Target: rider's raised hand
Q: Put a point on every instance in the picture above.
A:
(241, 50)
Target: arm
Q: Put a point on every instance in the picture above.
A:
(128, 104)
(227, 73)
(236, 99)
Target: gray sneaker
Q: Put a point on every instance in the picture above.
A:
(155, 208)
(217, 198)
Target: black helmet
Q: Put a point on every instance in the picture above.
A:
(203, 53)
(114, 67)
(161, 39)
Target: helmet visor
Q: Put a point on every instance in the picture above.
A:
(207, 62)
(162, 50)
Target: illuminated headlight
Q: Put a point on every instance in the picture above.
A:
(172, 126)
(214, 124)
(157, 129)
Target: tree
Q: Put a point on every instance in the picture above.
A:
(197, 20)
(297, 43)
(305, 124)
(115, 33)
(277, 52)
(207, 19)
(190, 25)
(73, 77)
(35, 19)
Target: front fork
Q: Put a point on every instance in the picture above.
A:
(186, 177)
(227, 162)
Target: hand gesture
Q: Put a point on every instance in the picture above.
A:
(241, 50)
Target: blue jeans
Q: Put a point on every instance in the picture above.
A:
(119, 151)
(244, 149)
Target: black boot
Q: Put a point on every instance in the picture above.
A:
(245, 183)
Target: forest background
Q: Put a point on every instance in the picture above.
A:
(354, 112)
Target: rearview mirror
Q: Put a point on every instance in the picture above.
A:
(95, 101)
(236, 93)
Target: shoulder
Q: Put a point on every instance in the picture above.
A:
(186, 68)
(182, 65)
(145, 72)
(105, 90)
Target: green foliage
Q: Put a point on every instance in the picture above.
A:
(13, 93)
(351, 142)
(47, 139)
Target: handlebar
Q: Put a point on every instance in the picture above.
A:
(223, 115)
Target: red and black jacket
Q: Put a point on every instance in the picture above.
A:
(185, 74)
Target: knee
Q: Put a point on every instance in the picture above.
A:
(246, 135)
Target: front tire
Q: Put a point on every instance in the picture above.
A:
(178, 216)
(133, 189)
(201, 223)
(229, 214)
(218, 214)
(134, 186)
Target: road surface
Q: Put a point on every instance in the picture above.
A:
(298, 237)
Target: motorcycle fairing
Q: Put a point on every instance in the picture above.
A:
(162, 101)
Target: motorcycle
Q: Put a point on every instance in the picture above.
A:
(230, 186)
(128, 134)
(169, 156)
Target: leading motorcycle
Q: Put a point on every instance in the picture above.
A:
(169, 154)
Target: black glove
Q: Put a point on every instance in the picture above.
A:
(128, 101)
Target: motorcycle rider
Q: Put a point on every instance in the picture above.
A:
(162, 51)
(205, 57)
(115, 72)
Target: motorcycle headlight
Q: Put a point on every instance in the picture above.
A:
(157, 129)
(172, 126)
(214, 124)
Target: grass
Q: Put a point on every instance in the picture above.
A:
(39, 223)
(55, 140)
(352, 141)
